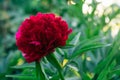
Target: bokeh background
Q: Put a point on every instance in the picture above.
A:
(89, 18)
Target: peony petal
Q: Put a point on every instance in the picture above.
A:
(39, 35)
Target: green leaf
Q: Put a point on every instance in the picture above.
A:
(106, 63)
(90, 41)
(54, 77)
(67, 46)
(32, 65)
(104, 73)
(40, 74)
(87, 48)
(74, 70)
(85, 76)
(75, 40)
(115, 71)
(72, 78)
(52, 59)
(31, 77)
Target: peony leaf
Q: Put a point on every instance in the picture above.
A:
(67, 46)
(72, 78)
(87, 48)
(103, 68)
(52, 59)
(75, 40)
(18, 76)
(32, 65)
(114, 72)
(40, 74)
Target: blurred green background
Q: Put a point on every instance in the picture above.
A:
(89, 19)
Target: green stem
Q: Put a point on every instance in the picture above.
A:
(61, 75)
(52, 59)
(39, 71)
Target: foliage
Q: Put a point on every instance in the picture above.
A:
(91, 52)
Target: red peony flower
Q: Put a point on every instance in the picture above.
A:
(40, 35)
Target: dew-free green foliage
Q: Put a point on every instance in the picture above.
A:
(91, 52)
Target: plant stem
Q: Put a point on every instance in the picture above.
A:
(61, 75)
(39, 71)
(52, 59)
